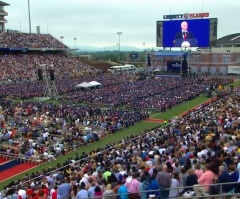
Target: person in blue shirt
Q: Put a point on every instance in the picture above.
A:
(234, 175)
(83, 193)
(64, 189)
(153, 185)
(144, 187)
(122, 192)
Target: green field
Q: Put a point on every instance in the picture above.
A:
(134, 130)
(177, 110)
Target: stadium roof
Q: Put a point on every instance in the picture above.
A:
(169, 53)
(229, 39)
(4, 4)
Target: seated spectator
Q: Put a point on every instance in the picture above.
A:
(198, 170)
(82, 194)
(224, 177)
(174, 189)
(97, 193)
(109, 193)
(191, 179)
(144, 187)
(207, 178)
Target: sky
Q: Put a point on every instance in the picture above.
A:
(96, 22)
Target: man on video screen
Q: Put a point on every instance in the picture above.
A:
(184, 33)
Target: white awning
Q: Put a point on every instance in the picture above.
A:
(83, 85)
(95, 83)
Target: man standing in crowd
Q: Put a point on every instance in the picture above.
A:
(64, 189)
(164, 180)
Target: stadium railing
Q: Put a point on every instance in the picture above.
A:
(6, 156)
(220, 195)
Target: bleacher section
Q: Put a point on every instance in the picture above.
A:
(31, 41)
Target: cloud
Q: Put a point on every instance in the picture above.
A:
(95, 22)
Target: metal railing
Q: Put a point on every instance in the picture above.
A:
(7, 156)
(150, 193)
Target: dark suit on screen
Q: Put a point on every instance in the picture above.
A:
(188, 35)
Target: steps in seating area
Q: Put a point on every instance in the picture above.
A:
(3, 160)
(9, 165)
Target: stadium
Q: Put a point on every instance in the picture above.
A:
(171, 130)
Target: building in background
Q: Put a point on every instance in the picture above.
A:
(2, 16)
(222, 57)
(219, 58)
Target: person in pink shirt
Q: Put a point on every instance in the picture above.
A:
(133, 187)
(198, 170)
(204, 181)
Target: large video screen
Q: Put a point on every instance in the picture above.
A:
(185, 33)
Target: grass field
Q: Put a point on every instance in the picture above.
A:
(177, 110)
(134, 130)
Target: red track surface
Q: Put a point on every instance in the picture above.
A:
(155, 120)
(2, 160)
(15, 171)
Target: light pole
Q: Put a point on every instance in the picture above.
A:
(29, 17)
(119, 35)
(75, 42)
(181, 67)
(62, 37)
(188, 62)
(185, 47)
(143, 46)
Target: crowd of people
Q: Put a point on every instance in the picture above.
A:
(118, 90)
(25, 90)
(193, 152)
(200, 149)
(40, 131)
(26, 40)
(156, 94)
(24, 66)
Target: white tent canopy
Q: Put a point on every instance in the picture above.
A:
(83, 85)
(88, 84)
(95, 83)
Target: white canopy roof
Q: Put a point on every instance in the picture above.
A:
(95, 83)
(83, 85)
(88, 85)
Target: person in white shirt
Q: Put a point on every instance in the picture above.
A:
(22, 194)
(49, 156)
(45, 135)
(238, 169)
(174, 191)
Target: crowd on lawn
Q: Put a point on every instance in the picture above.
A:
(24, 66)
(158, 94)
(120, 90)
(200, 149)
(40, 131)
(26, 40)
(25, 90)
